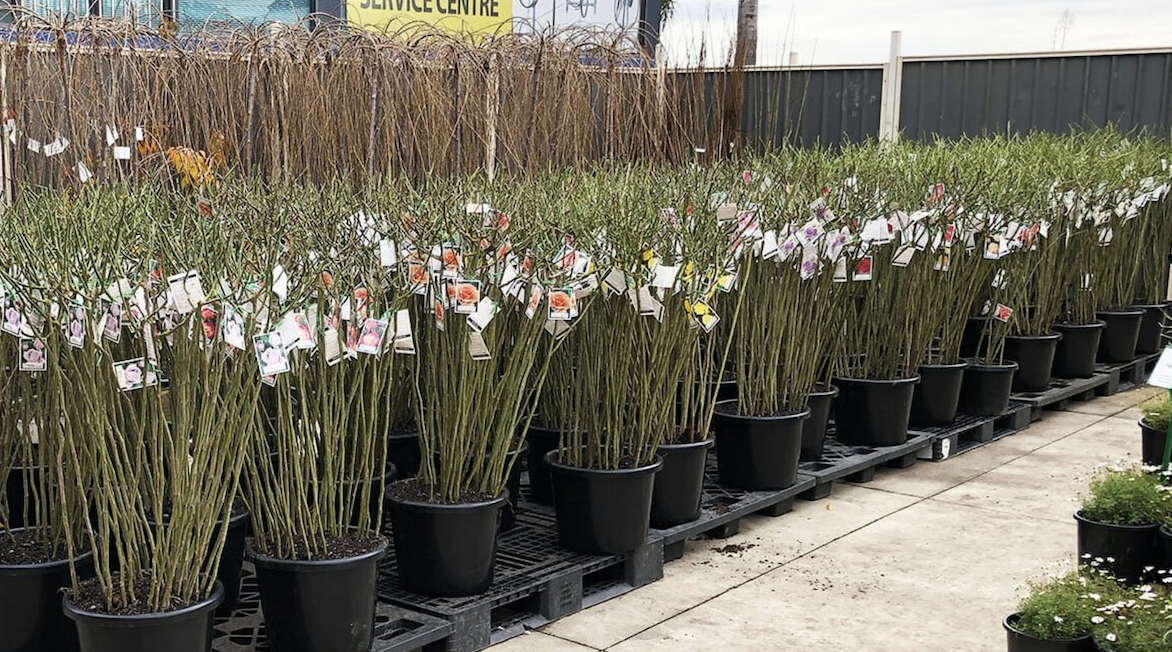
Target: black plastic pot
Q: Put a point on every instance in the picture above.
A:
(1075, 355)
(445, 550)
(814, 428)
(322, 605)
(403, 452)
(1164, 558)
(986, 389)
(183, 630)
(679, 485)
(1034, 355)
(232, 561)
(1151, 328)
(1018, 641)
(602, 511)
(541, 441)
(937, 395)
(970, 339)
(14, 486)
(1153, 444)
(1120, 335)
(757, 453)
(873, 412)
(1132, 547)
(31, 619)
(513, 488)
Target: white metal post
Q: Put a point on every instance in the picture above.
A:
(892, 83)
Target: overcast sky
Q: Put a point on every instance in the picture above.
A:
(858, 31)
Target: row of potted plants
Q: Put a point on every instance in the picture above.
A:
(193, 358)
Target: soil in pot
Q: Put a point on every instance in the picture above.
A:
(325, 604)
(403, 452)
(1075, 355)
(541, 441)
(936, 396)
(679, 485)
(1034, 355)
(1152, 447)
(602, 511)
(873, 412)
(445, 550)
(1132, 547)
(187, 628)
(1151, 329)
(1120, 335)
(814, 428)
(31, 619)
(757, 453)
(986, 389)
(1018, 641)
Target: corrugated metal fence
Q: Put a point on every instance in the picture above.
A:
(957, 97)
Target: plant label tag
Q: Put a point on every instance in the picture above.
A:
(789, 246)
(703, 315)
(280, 284)
(112, 321)
(809, 233)
(726, 212)
(615, 281)
(271, 354)
(333, 346)
(1002, 313)
(999, 280)
(558, 329)
(665, 276)
(75, 328)
(903, 255)
(57, 146)
(370, 341)
(511, 284)
(485, 311)
(139, 134)
(13, 318)
(232, 327)
(534, 302)
(863, 269)
(130, 374)
(821, 211)
(467, 296)
(1162, 373)
(809, 263)
(111, 135)
(34, 145)
(32, 354)
(477, 348)
(769, 245)
(840, 270)
(727, 281)
(186, 291)
(404, 340)
(83, 173)
(438, 310)
(563, 304)
(387, 254)
(876, 231)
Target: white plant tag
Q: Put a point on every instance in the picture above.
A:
(477, 347)
(186, 291)
(121, 152)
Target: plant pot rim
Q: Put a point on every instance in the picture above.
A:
(552, 461)
(1046, 336)
(1143, 423)
(1122, 311)
(829, 389)
(1098, 323)
(73, 611)
(23, 569)
(424, 506)
(1014, 617)
(877, 381)
(1136, 528)
(945, 365)
(1004, 367)
(804, 413)
(1149, 306)
(1166, 531)
(315, 565)
(707, 442)
(410, 434)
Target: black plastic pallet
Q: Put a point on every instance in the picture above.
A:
(969, 432)
(396, 629)
(1127, 375)
(536, 581)
(722, 508)
(1060, 393)
(858, 463)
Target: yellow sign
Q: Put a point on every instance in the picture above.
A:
(483, 16)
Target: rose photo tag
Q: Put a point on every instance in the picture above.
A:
(271, 354)
(32, 354)
(467, 296)
(417, 277)
(112, 321)
(485, 311)
(477, 348)
(821, 211)
(835, 243)
(809, 233)
(727, 281)
(452, 261)
(151, 374)
(789, 246)
(563, 305)
(75, 326)
(809, 263)
(271, 381)
(534, 302)
(944, 260)
(703, 315)
(438, 309)
(232, 327)
(370, 341)
(13, 318)
(1002, 313)
(863, 269)
(207, 320)
(130, 374)
(332, 346)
